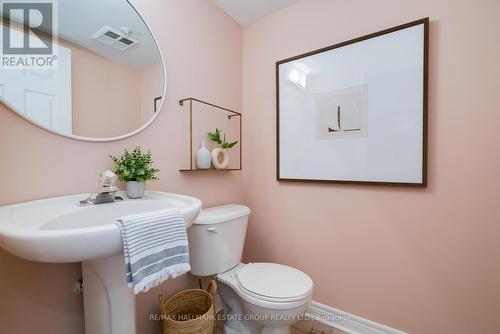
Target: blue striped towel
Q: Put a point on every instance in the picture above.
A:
(155, 246)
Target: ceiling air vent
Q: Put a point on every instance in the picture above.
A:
(118, 39)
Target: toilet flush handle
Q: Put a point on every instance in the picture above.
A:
(212, 229)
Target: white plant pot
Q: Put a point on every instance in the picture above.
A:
(217, 154)
(135, 189)
(203, 157)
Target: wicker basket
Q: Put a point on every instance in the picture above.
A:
(189, 311)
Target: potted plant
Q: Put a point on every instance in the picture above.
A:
(220, 151)
(135, 168)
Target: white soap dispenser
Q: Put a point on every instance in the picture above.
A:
(203, 157)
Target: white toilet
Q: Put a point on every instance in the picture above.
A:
(262, 298)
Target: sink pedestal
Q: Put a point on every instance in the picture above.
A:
(109, 304)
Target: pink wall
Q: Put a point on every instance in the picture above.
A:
(106, 95)
(203, 52)
(111, 99)
(151, 87)
(420, 260)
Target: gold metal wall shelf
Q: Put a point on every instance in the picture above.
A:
(230, 115)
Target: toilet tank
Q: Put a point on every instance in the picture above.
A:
(216, 239)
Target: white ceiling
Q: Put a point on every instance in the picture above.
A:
(79, 20)
(247, 11)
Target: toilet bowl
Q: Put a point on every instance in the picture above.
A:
(270, 295)
(264, 298)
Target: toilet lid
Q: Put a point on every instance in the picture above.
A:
(274, 281)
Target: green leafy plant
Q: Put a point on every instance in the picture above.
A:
(135, 166)
(216, 137)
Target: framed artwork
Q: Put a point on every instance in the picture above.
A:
(157, 104)
(356, 112)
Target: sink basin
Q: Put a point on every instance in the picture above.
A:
(57, 230)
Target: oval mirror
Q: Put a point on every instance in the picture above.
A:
(84, 69)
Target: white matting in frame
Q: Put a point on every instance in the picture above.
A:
(356, 111)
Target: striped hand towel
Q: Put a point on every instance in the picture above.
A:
(155, 246)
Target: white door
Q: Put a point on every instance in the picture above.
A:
(41, 95)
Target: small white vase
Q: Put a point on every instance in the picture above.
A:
(203, 157)
(220, 152)
(135, 189)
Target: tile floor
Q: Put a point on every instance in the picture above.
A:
(314, 327)
(301, 327)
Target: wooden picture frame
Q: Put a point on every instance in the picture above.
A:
(157, 103)
(371, 111)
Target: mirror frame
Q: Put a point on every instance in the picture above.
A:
(127, 135)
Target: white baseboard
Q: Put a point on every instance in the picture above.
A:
(347, 322)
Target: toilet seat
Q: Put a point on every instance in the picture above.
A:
(268, 302)
(274, 282)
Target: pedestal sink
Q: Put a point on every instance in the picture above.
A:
(57, 230)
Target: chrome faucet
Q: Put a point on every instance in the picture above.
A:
(107, 179)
